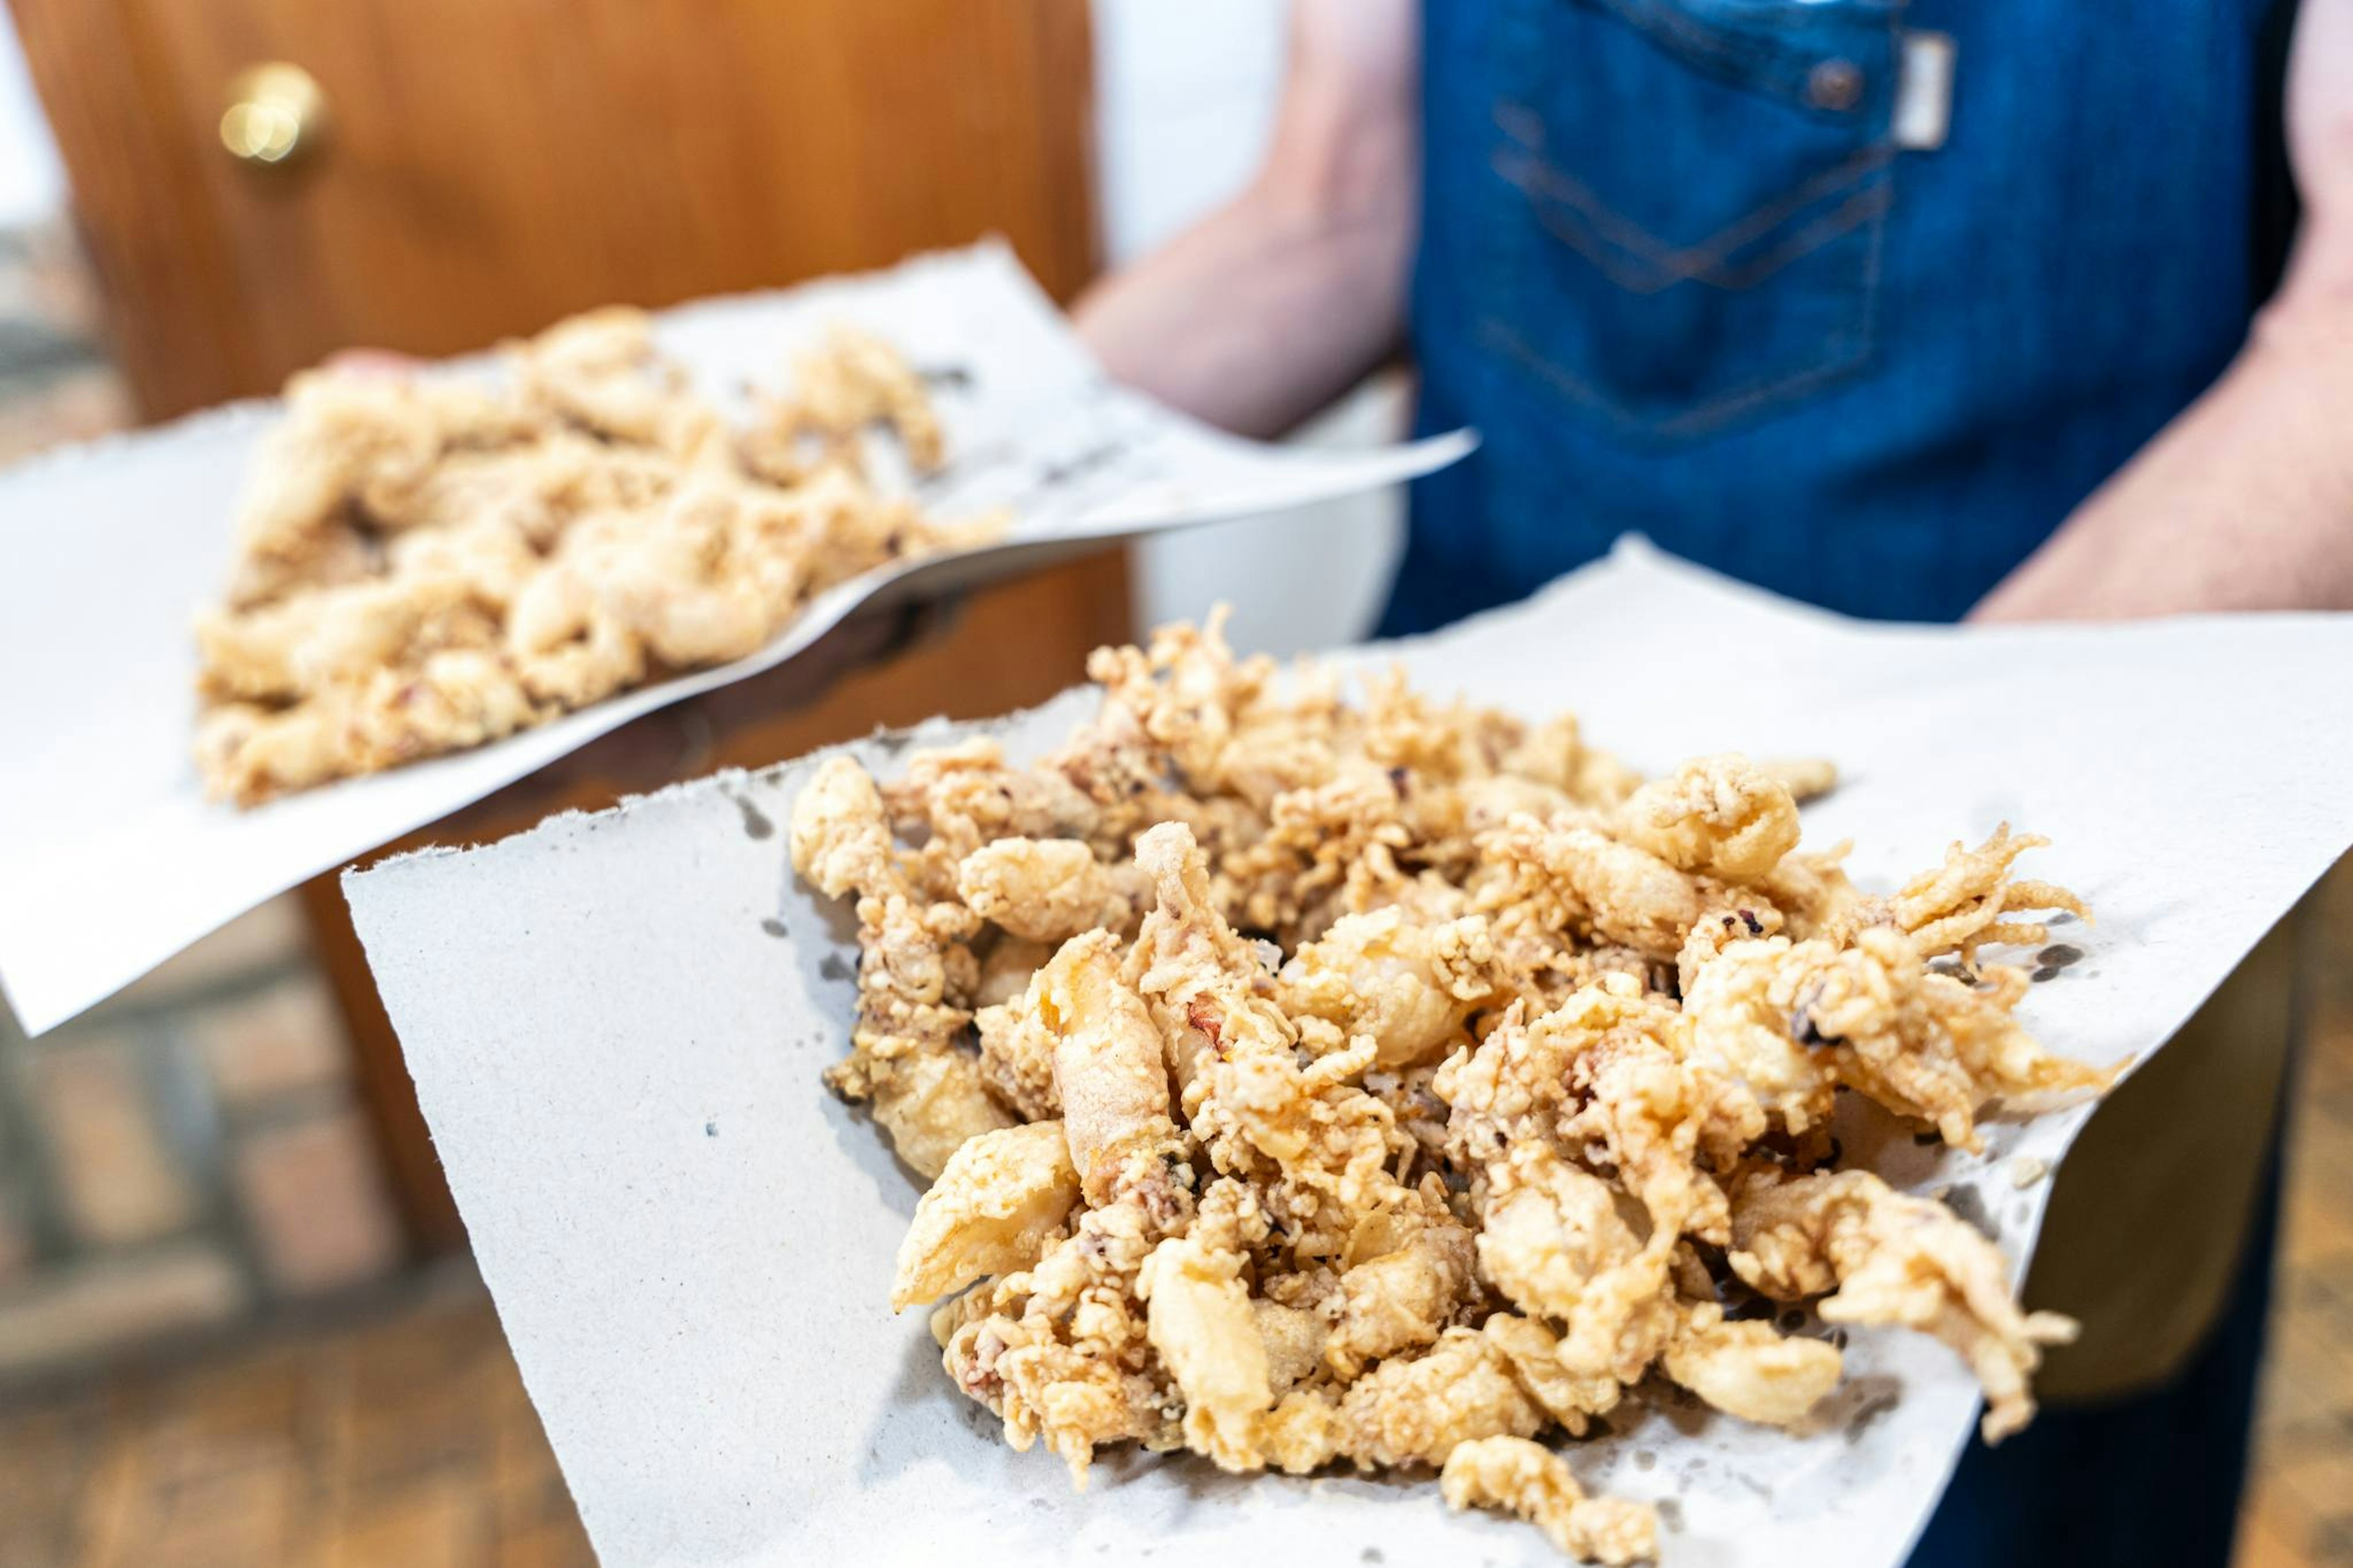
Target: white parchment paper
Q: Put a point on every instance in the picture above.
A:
(615, 1024)
(111, 859)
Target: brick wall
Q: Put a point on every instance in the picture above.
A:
(190, 1155)
(185, 1156)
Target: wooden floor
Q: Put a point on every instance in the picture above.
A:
(401, 1441)
(2300, 1505)
(403, 1437)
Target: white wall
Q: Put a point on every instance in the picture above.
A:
(32, 183)
(1185, 98)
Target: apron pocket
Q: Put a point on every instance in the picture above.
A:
(1683, 225)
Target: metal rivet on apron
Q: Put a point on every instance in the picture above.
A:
(1834, 84)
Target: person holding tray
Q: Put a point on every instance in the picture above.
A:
(1982, 312)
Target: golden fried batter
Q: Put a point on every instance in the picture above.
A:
(1555, 1244)
(1001, 1199)
(1414, 1409)
(1109, 1073)
(1527, 1480)
(1319, 1145)
(1895, 1259)
(1749, 1369)
(1201, 1324)
(1408, 1276)
(1792, 1020)
(425, 566)
(1479, 1052)
(1409, 986)
(1960, 907)
(1047, 890)
(1718, 815)
(906, 1052)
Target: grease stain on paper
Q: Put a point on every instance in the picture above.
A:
(755, 821)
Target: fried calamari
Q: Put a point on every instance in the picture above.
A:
(426, 565)
(1396, 1083)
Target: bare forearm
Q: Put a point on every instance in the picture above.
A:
(2246, 502)
(1277, 304)
(1257, 317)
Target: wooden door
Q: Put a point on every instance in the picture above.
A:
(488, 165)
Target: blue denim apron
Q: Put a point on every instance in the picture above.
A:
(1676, 271)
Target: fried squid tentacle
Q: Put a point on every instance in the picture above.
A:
(1524, 1478)
(1965, 903)
(1877, 1256)
(907, 1057)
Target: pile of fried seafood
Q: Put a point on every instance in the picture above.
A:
(426, 565)
(1396, 1083)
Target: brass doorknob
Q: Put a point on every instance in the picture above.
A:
(276, 113)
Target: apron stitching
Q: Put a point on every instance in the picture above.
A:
(1706, 261)
(1691, 421)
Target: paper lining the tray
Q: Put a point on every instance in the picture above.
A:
(112, 861)
(615, 1024)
